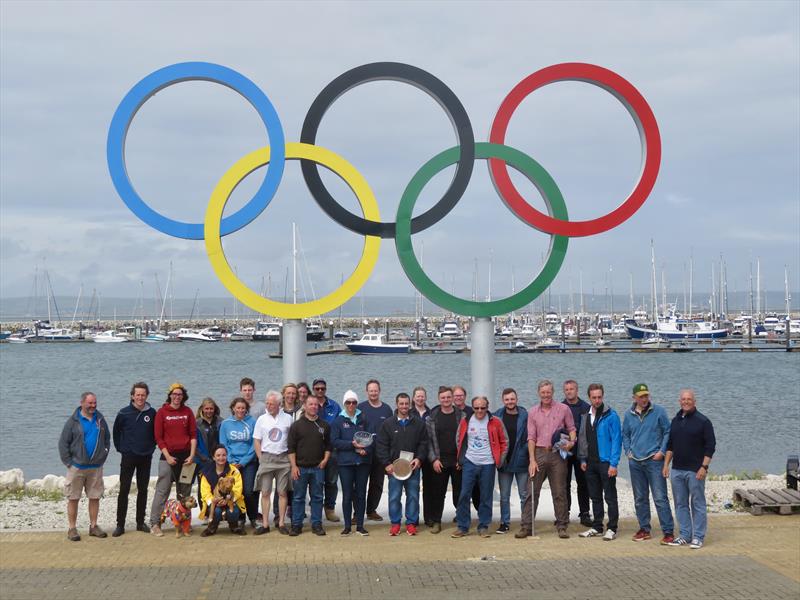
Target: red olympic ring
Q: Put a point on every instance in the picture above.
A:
(639, 110)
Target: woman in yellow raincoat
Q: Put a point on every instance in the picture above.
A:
(229, 505)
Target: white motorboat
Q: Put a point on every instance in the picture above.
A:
(213, 332)
(600, 342)
(16, 339)
(154, 338)
(547, 343)
(655, 341)
(190, 335)
(267, 332)
(374, 343)
(108, 337)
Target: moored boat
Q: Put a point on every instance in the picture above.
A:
(374, 343)
(108, 337)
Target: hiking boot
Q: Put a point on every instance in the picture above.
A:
(73, 535)
(97, 532)
(261, 530)
(156, 531)
(411, 529)
(295, 531)
(503, 529)
(317, 530)
(459, 533)
(679, 541)
(394, 530)
(208, 531)
(484, 532)
(523, 533)
(436, 528)
(374, 516)
(562, 533)
(667, 539)
(641, 536)
(609, 535)
(239, 530)
(142, 527)
(330, 515)
(118, 531)
(590, 533)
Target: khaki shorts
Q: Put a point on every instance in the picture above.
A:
(79, 479)
(273, 467)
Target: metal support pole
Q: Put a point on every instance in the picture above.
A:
(482, 358)
(294, 350)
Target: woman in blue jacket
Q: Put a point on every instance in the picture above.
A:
(354, 462)
(236, 434)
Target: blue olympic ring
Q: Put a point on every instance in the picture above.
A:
(152, 84)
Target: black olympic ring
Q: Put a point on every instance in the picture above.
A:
(429, 84)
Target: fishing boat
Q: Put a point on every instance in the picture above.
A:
(673, 327)
(374, 343)
(108, 337)
(314, 332)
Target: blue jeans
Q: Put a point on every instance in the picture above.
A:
(232, 516)
(411, 488)
(313, 480)
(484, 476)
(354, 492)
(688, 491)
(331, 487)
(506, 480)
(251, 497)
(646, 475)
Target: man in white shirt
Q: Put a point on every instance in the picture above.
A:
(270, 437)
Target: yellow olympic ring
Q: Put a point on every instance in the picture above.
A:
(219, 197)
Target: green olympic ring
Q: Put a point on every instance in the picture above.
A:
(556, 207)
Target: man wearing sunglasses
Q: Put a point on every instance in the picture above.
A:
(482, 445)
(329, 409)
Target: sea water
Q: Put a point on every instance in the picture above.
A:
(753, 399)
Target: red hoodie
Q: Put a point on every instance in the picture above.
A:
(175, 428)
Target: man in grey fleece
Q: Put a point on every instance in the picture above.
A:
(83, 446)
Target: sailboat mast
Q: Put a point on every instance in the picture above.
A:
(294, 263)
(758, 288)
(691, 281)
(653, 290)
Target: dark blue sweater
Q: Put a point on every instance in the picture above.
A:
(133, 430)
(691, 437)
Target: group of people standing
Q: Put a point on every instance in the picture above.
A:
(297, 448)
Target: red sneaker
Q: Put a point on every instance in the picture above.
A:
(667, 539)
(641, 536)
(395, 529)
(411, 529)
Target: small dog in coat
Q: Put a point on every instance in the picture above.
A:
(180, 513)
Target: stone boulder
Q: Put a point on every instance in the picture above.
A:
(11, 481)
(49, 484)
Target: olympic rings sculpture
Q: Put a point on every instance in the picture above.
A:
(463, 155)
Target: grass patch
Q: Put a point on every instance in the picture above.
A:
(37, 495)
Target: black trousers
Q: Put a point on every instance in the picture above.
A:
(574, 465)
(427, 492)
(438, 492)
(601, 485)
(141, 466)
(377, 475)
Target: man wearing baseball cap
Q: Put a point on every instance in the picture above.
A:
(645, 433)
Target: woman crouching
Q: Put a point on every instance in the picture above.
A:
(221, 493)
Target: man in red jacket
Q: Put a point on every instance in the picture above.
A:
(176, 437)
(482, 444)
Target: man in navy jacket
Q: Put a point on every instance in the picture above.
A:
(134, 439)
(515, 420)
(690, 449)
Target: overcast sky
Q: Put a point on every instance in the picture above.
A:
(723, 80)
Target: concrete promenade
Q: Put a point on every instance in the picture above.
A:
(745, 557)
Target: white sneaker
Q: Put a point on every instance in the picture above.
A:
(696, 544)
(590, 533)
(609, 535)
